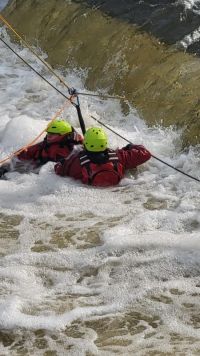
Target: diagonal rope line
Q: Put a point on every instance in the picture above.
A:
(24, 148)
(30, 48)
(60, 92)
(158, 159)
(26, 44)
(70, 98)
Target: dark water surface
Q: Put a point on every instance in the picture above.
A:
(170, 21)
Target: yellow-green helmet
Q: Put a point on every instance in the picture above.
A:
(59, 127)
(95, 140)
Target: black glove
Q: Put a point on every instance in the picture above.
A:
(129, 146)
(3, 170)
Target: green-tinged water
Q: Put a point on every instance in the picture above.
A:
(162, 83)
(68, 264)
(8, 233)
(87, 271)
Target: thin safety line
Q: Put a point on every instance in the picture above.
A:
(49, 67)
(158, 159)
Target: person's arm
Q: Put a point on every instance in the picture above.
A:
(132, 156)
(31, 153)
(69, 167)
(4, 169)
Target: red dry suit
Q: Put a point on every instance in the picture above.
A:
(35, 156)
(44, 151)
(103, 168)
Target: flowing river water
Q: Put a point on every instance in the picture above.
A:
(86, 271)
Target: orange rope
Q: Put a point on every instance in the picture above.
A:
(15, 153)
(27, 45)
(8, 25)
(70, 100)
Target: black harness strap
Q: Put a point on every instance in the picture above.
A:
(44, 146)
(85, 161)
(68, 141)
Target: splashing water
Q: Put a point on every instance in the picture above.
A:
(190, 4)
(87, 270)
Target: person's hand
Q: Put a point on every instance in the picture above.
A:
(3, 170)
(130, 146)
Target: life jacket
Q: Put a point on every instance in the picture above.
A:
(67, 142)
(102, 174)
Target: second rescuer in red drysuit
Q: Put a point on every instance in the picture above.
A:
(57, 145)
(98, 165)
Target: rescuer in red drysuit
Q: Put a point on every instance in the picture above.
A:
(57, 145)
(98, 165)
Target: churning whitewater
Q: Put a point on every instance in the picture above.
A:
(87, 270)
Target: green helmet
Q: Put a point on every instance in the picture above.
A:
(59, 127)
(95, 140)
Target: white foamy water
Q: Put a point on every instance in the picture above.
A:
(87, 270)
(189, 39)
(193, 36)
(190, 4)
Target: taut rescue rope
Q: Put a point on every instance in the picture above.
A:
(26, 44)
(158, 159)
(24, 148)
(72, 91)
(74, 94)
